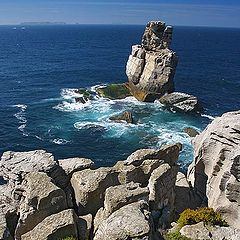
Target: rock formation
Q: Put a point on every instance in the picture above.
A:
(49, 199)
(181, 102)
(125, 116)
(215, 171)
(151, 65)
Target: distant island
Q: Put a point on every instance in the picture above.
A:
(43, 23)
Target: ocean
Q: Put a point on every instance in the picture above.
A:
(41, 66)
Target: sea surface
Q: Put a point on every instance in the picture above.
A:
(41, 66)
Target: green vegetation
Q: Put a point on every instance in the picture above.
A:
(68, 238)
(114, 91)
(176, 235)
(206, 215)
(84, 92)
(191, 216)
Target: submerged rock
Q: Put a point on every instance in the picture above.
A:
(125, 116)
(215, 171)
(181, 102)
(114, 91)
(151, 65)
(191, 132)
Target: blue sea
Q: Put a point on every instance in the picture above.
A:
(41, 66)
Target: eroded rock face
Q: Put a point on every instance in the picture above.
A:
(41, 198)
(132, 221)
(56, 226)
(181, 102)
(89, 187)
(119, 196)
(200, 231)
(151, 65)
(215, 170)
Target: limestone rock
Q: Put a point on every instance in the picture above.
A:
(89, 187)
(185, 196)
(41, 198)
(15, 165)
(125, 116)
(140, 164)
(181, 102)
(200, 231)
(56, 226)
(162, 193)
(151, 66)
(119, 196)
(191, 132)
(85, 226)
(71, 165)
(215, 170)
(4, 231)
(132, 221)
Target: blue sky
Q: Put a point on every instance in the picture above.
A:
(220, 13)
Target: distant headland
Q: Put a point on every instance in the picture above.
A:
(43, 23)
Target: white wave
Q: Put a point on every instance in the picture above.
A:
(21, 117)
(70, 93)
(208, 116)
(71, 106)
(60, 141)
(22, 127)
(23, 107)
(94, 88)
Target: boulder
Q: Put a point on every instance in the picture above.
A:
(140, 164)
(132, 221)
(151, 65)
(56, 226)
(89, 187)
(41, 198)
(15, 165)
(71, 165)
(125, 116)
(85, 226)
(114, 91)
(181, 102)
(162, 194)
(119, 196)
(214, 173)
(200, 231)
(191, 132)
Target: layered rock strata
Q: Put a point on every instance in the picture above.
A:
(151, 65)
(215, 171)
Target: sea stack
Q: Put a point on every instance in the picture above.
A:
(151, 66)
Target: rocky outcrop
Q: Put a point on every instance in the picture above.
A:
(132, 221)
(181, 102)
(151, 65)
(41, 198)
(133, 199)
(89, 187)
(56, 226)
(123, 117)
(114, 91)
(215, 170)
(191, 132)
(200, 231)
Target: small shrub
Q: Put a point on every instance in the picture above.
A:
(68, 238)
(176, 235)
(206, 215)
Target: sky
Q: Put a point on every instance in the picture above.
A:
(217, 13)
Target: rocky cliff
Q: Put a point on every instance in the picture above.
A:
(49, 199)
(215, 171)
(151, 65)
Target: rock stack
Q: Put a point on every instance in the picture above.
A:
(151, 65)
